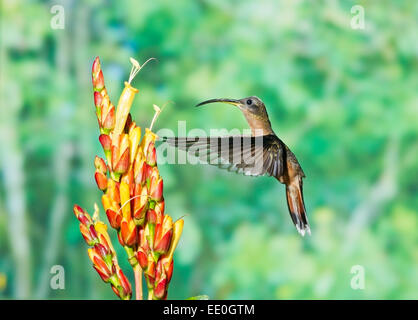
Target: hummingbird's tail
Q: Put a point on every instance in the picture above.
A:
(296, 205)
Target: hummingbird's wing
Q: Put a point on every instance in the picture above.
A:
(249, 155)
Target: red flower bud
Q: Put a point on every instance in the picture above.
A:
(109, 121)
(78, 210)
(151, 216)
(162, 245)
(160, 289)
(150, 270)
(104, 242)
(128, 232)
(83, 219)
(97, 75)
(159, 207)
(100, 266)
(115, 290)
(142, 239)
(127, 289)
(105, 277)
(140, 204)
(86, 235)
(169, 270)
(100, 165)
(99, 81)
(142, 258)
(93, 232)
(98, 98)
(114, 218)
(101, 250)
(101, 180)
(156, 189)
(151, 154)
(122, 165)
(113, 192)
(105, 141)
(96, 66)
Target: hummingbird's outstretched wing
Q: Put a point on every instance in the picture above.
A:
(249, 155)
(255, 156)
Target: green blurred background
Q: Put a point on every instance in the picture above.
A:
(344, 100)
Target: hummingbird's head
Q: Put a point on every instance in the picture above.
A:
(253, 109)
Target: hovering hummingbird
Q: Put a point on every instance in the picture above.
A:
(269, 155)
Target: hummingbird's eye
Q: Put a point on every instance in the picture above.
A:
(249, 102)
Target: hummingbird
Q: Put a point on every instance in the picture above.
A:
(261, 154)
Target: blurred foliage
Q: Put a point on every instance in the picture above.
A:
(344, 100)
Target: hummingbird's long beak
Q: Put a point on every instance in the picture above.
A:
(229, 101)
